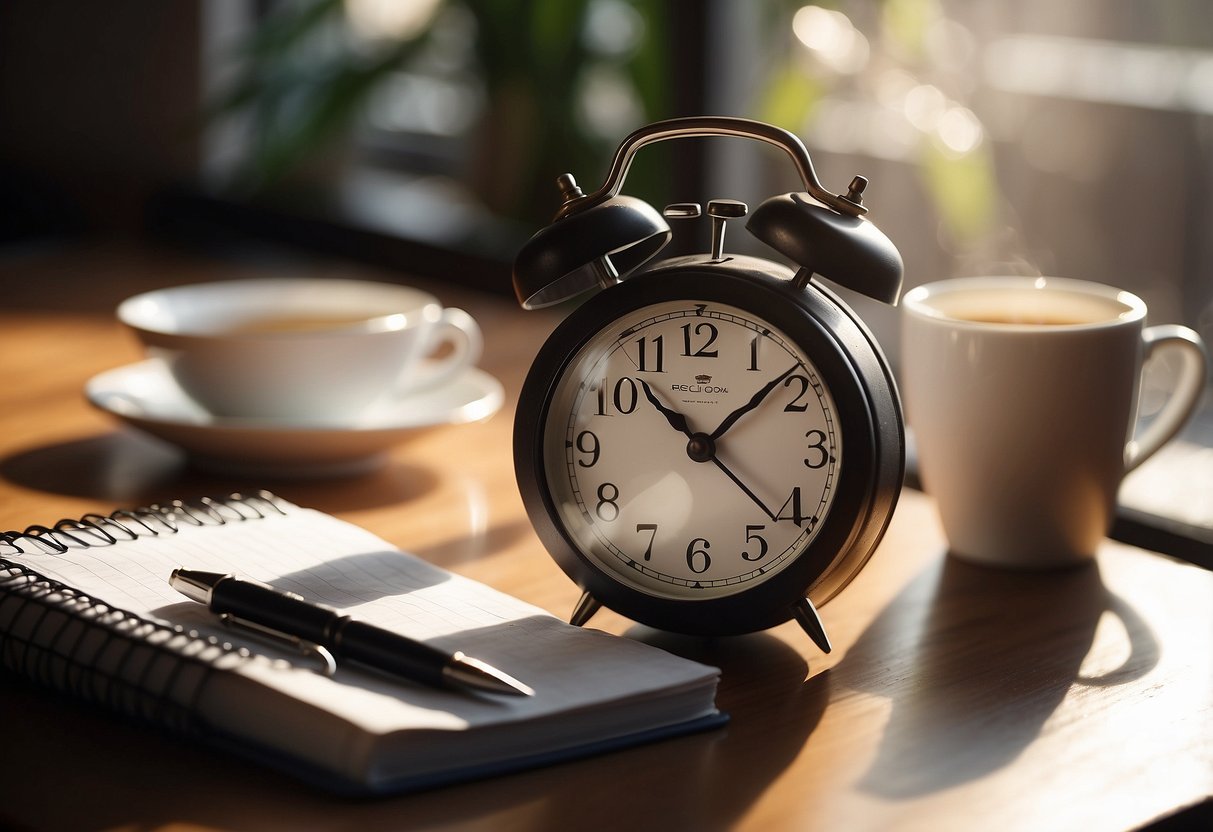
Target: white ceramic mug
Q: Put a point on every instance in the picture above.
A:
(1022, 396)
(301, 350)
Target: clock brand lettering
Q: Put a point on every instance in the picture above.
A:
(703, 384)
(698, 387)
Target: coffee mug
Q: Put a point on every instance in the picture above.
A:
(1022, 396)
(303, 350)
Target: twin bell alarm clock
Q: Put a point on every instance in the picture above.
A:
(712, 444)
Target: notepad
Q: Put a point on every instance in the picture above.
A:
(86, 608)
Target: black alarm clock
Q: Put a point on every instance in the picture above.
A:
(712, 444)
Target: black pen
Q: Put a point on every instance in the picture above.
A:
(290, 615)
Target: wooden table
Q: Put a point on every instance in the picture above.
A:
(956, 697)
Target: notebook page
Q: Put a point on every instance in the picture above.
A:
(335, 563)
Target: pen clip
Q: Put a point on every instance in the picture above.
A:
(328, 665)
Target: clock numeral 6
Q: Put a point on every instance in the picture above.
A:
(698, 559)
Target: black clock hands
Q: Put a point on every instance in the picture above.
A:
(754, 401)
(701, 447)
(677, 421)
(742, 486)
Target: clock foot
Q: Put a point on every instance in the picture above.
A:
(585, 609)
(810, 622)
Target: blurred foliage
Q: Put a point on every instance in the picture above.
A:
(306, 77)
(961, 185)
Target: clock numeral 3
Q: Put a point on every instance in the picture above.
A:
(817, 442)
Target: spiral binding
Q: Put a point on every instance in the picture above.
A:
(68, 641)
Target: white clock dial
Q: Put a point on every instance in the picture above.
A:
(700, 449)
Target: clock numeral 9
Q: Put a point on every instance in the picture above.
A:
(624, 397)
(587, 443)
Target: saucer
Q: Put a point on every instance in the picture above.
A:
(146, 396)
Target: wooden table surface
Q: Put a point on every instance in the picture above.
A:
(956, 697)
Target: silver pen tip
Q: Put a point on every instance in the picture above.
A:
(472, 673)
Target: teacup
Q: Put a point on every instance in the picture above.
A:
(304, 350)
(1022, 394)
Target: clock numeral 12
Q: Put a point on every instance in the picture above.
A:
(702, 351)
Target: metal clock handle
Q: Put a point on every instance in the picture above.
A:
(850, 204)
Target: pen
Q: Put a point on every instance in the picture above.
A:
(288, 614)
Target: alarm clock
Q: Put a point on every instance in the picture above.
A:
(712, 444)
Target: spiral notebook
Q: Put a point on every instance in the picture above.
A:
(86, 609)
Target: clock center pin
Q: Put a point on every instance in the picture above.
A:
(701, 448)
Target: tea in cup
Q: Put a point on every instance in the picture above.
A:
(1022, 394)
(303, 350)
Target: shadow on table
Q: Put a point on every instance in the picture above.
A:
(123, 469)
(975, 660)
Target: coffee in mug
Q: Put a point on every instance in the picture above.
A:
(1022, 396)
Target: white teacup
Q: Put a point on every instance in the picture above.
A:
(1022, 393)
(304, 350)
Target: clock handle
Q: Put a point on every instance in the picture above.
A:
(849, 204)
(806, 615)
(585, 609)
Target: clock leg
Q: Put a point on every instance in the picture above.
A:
(585, 609)
(810, 622)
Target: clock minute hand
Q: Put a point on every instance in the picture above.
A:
(744, 488)
(677, 421)
(754, 401)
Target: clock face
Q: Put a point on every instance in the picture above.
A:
(692, 449)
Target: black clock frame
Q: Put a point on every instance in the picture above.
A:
(851, 365)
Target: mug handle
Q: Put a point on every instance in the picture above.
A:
(460, 331)
(1188, 387)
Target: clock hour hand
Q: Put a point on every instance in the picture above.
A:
(677, 421)
(754, 401)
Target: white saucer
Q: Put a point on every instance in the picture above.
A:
(146, 396)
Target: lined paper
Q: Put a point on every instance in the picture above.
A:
(280, 701)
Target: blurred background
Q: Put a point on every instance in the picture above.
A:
(1033, 137)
